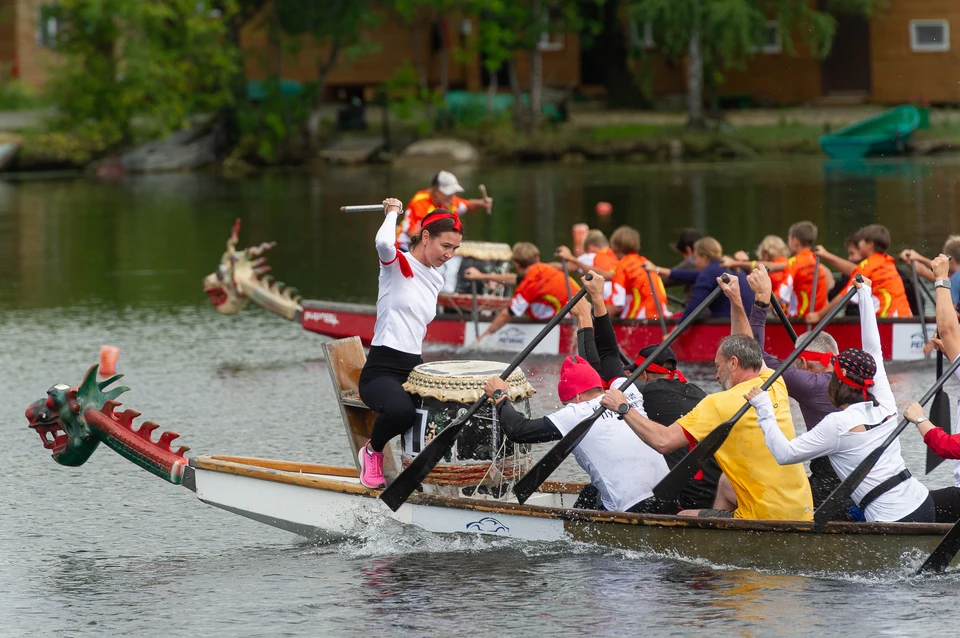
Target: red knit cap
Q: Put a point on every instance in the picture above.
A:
(576, 376)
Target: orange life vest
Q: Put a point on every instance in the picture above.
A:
(419, 207)
(797, 285)
(890, 298)
(541, 293)
(631, 290)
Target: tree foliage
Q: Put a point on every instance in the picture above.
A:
(136, 70)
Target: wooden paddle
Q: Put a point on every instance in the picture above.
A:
(401, 489)
(838, 498)
(539, 473)
(656, 300)
(919, 300)
(940, 415)
(812, 306)
(483, 193)
(672, 484)
(942, 555)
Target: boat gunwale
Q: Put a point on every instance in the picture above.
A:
(265, 469)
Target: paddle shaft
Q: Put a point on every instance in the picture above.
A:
(671, 485)
(476, 313)
(919, 298)
(656, 300)
(784, 320)
(812, 306)
(408, 480)
(539, 473)
(566, 275)
(838, 498)
(369, 208)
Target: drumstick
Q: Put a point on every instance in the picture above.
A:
(483, 191)
(368, 208)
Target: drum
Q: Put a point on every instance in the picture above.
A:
(482, 455)
(488, 257)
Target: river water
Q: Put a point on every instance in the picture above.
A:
(107, 549)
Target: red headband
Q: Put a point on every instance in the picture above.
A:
(823, 358)
(440, 217)
(655, 369)
(863, 387)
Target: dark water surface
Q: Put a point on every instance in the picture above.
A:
(107, 549)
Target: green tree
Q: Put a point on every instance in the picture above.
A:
(137, 70)
(720, 34)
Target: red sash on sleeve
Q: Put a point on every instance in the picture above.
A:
(403, 263)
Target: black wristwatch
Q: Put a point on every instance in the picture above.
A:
(622, 410)
(498, 394)
(761, 304)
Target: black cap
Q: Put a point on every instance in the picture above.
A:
(688, 237)
(667, 358)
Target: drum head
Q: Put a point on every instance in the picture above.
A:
(485, 251)
(463, 381)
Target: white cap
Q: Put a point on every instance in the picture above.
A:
(447, 183)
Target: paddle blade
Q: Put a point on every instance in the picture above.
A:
(939, 415)
(404, 485)
(539, 473)
(673, 483)
(941, 557)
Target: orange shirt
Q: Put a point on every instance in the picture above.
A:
(632, 293)
(889, 297)
(797, 285)
(541, 293)
(606, 260)
(419, 207)
(777, 277)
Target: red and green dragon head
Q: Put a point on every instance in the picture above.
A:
(73, 421)
(242, 276)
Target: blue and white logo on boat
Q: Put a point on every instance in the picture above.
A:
(488, 525)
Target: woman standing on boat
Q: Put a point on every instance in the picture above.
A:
(406, 303)
(868, 413)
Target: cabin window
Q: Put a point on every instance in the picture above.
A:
(47, 26)
(772, 42)
(929, 35)
(642, 36)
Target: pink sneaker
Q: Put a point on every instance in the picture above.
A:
(371, 468)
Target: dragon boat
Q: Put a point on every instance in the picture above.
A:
(242, 277)
(327, 503)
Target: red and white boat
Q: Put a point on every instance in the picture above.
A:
(242, 276)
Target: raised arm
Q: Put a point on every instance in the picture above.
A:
(841, 264)
(738, 317)
(608, 353)
(947, 326)
(387, 235)
(814, 443)
(870, 338)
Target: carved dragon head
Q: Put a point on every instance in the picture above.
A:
(242, 276)
(73, 421)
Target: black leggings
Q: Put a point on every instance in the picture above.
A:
(947, 502)
(381, 388)
(926, 513)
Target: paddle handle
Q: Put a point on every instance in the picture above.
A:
(839, 496)
(366, 208)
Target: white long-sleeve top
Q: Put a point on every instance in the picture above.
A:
(833, 436)
(405, 305)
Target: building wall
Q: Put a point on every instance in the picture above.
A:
(32, 59)
(901, 75)
(779, 78)
(8, 48)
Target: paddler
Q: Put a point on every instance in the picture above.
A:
(406, 303)
(867, 415)
(621, 467)
(754, 485)
(597, 258)
(632, 292)
(442, 194)
(540, 288)
(797, 286)
(889, 294)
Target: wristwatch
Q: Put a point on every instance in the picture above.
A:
(498, 394)
(761, 304)
(622, 410)
(920, 420)
(942, 283)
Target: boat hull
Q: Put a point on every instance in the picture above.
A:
(901, 339)
(328, 503)
(885, 134)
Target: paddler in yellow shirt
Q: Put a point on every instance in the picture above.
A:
(753, 484)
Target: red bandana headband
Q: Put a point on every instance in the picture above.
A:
(863, 387)
(823, 358)
(656, 369)
(440, 217)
